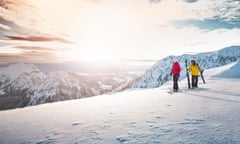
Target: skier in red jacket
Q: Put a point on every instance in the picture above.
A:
(175, 72)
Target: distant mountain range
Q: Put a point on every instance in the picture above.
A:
(24, 84)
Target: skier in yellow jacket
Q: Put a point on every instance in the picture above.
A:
(195, 70)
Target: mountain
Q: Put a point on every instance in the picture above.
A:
(208, 114)
(24, 84)
(159, 73)
(15, 82)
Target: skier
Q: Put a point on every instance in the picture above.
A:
(175, 73)
(194, 69)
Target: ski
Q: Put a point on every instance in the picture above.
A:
(187, 74)
(201, 74)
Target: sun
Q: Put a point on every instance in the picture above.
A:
(98, 54)
(104, 33)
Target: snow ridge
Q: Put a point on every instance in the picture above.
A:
(160, 72)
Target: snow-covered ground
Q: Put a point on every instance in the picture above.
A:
(208, 114)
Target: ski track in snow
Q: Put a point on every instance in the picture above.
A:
(208, 114)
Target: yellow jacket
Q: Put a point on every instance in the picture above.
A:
(194, 69)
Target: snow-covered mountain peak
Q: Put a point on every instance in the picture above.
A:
(18, 69)
(230, 51)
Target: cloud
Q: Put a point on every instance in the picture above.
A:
(33, 57)
(35, 48)
(3, 44)
(206, 24)
(7, 26)
(7, 23)
(93, 1)
(13, 4)
(4, 27)
(190, 1)
(30, 53)
(154, 1)
(230, 12)
(4, 4)
(20, 16)
(158, 1)
(210, 15)
(37, 38)
(226, 10)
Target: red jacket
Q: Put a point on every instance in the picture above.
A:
(176, 69)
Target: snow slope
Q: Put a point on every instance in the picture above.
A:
(233, 72)
(209, 114)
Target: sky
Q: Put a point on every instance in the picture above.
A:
(56, 31)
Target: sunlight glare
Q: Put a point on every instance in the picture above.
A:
(102, 35)
(93, 54)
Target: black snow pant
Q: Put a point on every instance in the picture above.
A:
(194, 81)
(175, 82)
